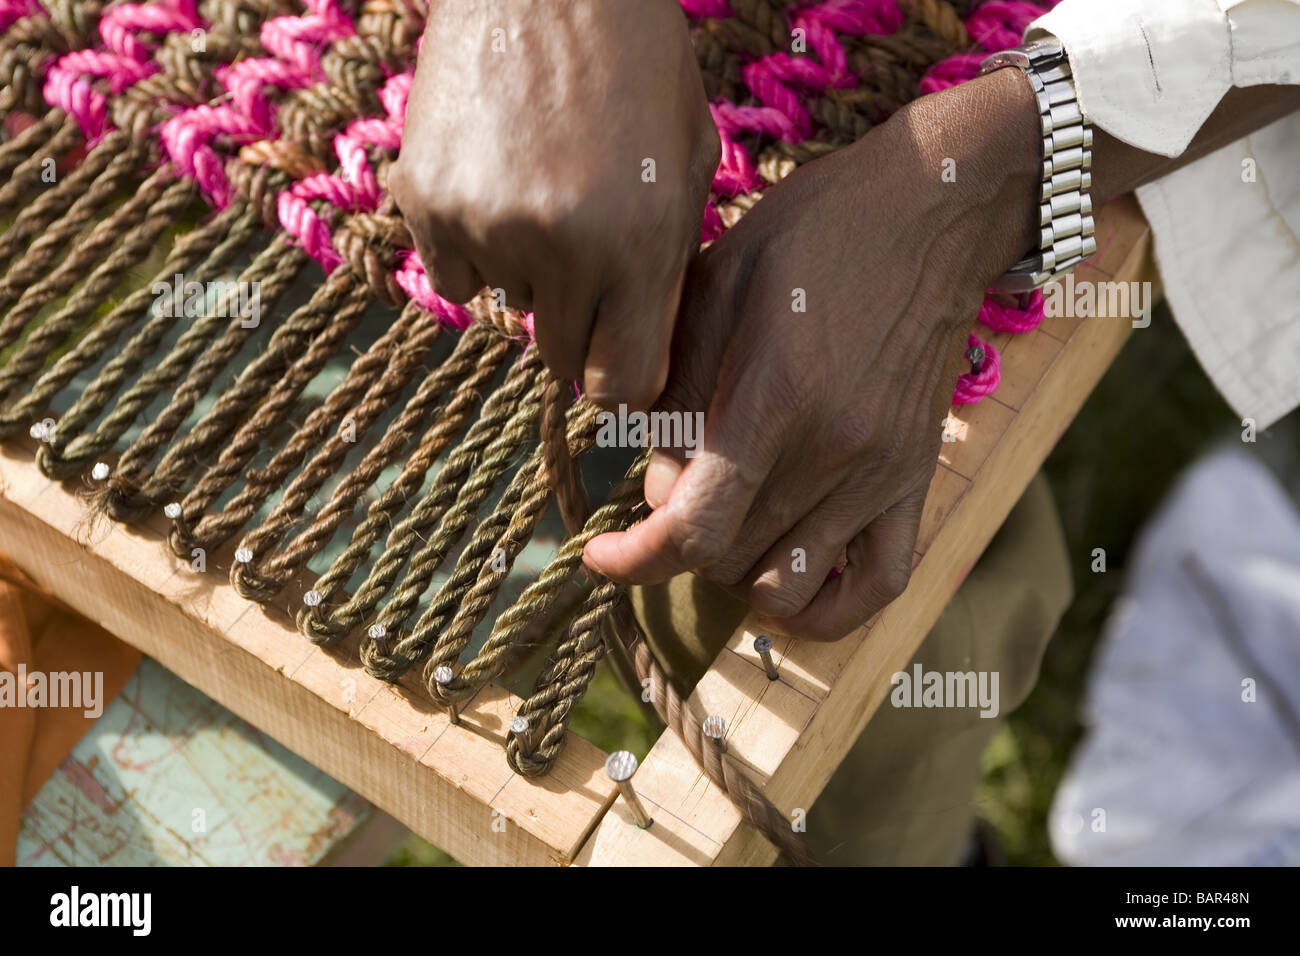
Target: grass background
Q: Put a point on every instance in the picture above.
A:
(1152, 414)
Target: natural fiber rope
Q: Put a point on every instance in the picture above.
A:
(468, 369)
(535, 602)
(204, 251)
(383, 369)
(454, 514)
(592, 633)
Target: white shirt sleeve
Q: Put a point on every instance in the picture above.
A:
(1227, 227)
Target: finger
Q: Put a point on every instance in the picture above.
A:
(784, 580)
(660, 476)
(692, 376)
(627, 357)
(562, 321)
(878, 570)
(715, 490)
(451, 274)
(793, 495)
(697, 524)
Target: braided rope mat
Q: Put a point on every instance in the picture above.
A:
(409, 483)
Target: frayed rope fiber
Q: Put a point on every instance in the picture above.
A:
(281, 118)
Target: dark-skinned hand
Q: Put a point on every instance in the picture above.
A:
(822, 428)
(526, 167)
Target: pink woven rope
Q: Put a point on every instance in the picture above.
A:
(200, 140)
(69, 81)
(1001, 316)
(973, 386)
(11, 10)
(781, 82)
(955, 69)
(994, 25)
(698, 9)
(998, 24)
(118, 25)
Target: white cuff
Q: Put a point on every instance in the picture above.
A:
(1148, 72)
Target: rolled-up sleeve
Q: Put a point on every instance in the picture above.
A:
(1149, 72)
(1226, 227)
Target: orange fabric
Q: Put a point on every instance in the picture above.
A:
(44, 635)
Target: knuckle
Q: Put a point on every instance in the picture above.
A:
(728, 571)
(895, 579)
(779, 598)
(699, 543)
(885, 586)
(853, 432)
(828, 628)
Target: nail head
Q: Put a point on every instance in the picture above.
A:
(715, 727)
(621, 765)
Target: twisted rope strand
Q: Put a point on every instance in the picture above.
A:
(218, 240)
(197, 357)
(499, 418)
(318, 623)
(130, 249)
(30, 274)
(537, 599)
(468, 369)
(260, 484)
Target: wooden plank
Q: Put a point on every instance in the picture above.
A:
(450, 784)
(794, 732)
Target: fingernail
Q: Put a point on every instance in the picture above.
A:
(660, 476)
(591, 563)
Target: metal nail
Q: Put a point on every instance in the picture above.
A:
(379, 634)
(444, 675)
(763, 645)
(976, 356)
(715, 728)
(519, 730)
(620, 766)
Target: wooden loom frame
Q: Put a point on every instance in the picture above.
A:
(451, 784)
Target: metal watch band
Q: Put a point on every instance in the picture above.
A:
(1065, 210)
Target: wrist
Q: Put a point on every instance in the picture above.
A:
(986, 134)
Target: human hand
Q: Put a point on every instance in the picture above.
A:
(822, 427)
(531, 132)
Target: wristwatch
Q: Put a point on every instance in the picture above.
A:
(1065, 210)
